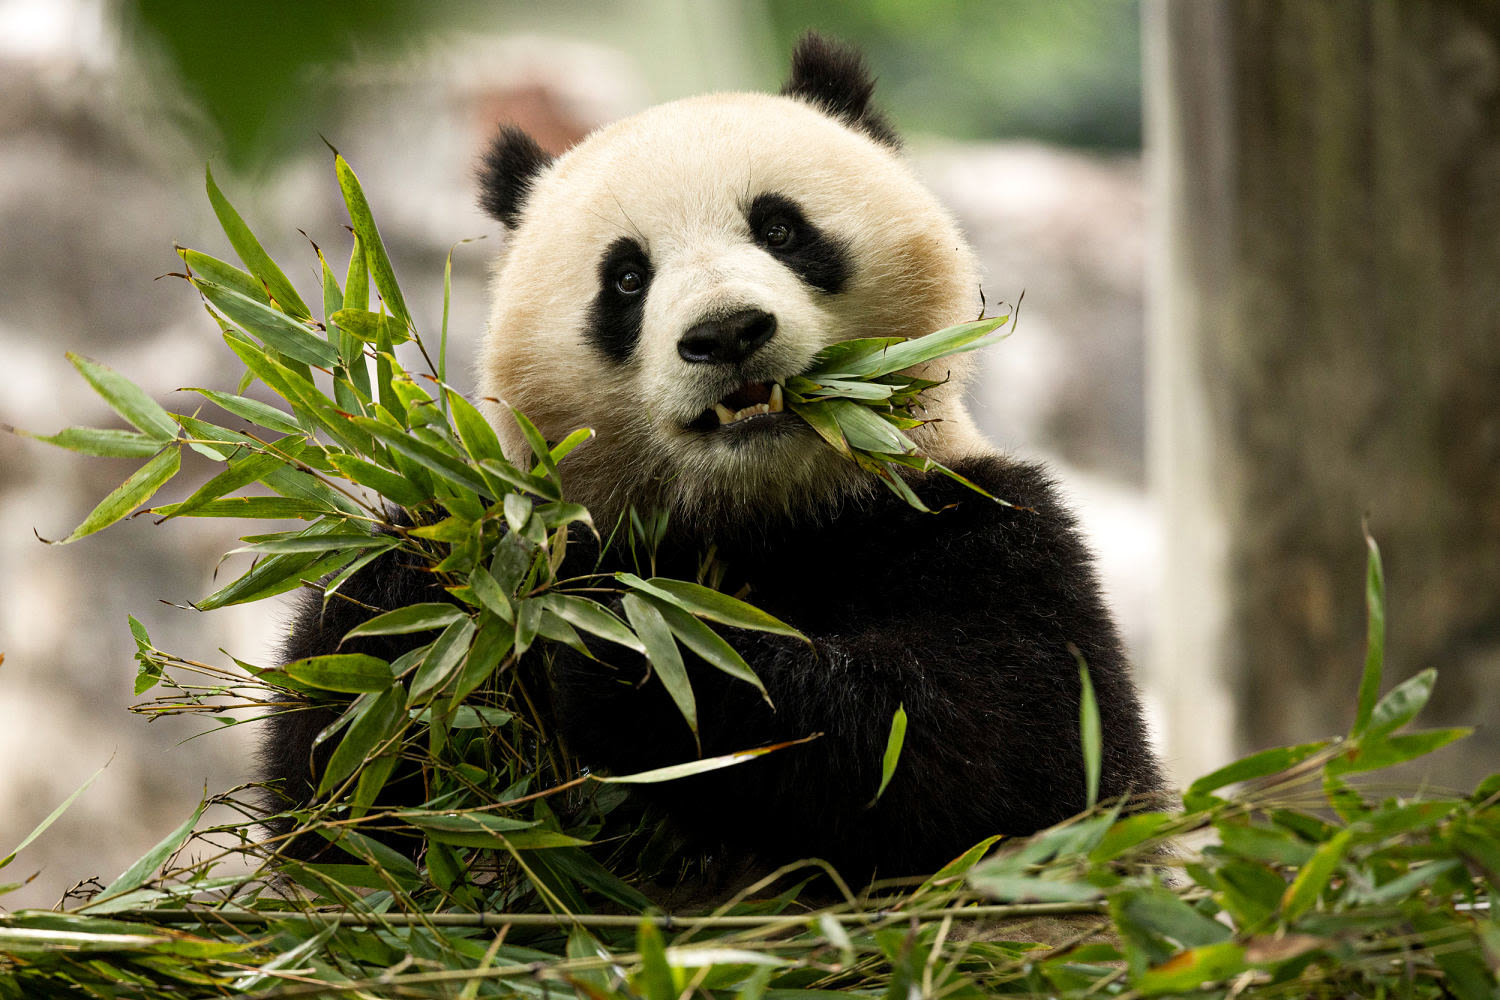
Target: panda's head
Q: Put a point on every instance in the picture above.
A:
(662, 277)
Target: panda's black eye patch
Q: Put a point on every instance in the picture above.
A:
(778, 224)
(615, 316)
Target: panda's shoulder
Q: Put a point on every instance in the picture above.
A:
(1023, 500)
(1030, 513)
(1018, 484)
(1023, 532)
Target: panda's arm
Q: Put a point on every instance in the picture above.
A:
(967, 618)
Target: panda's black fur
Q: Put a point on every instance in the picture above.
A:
(974, 618)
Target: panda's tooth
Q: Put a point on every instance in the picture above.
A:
(775, 405)
(726, 415)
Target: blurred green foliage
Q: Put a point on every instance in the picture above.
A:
(248, 66)
(1063, 71)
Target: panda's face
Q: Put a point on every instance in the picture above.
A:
(664, 278)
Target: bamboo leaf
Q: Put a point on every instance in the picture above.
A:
(1159, 912)
(565, 447)
(136, 875)
(474, 431)
(1257, 765)
(656, 981)
(517, 512)
(866, 430)
(251, 253)
(892, 478)
(372, 778)
(538, 840)
(220, 444)
(693, 767)
(52, 816)
(894, 740)
(98, 441)
(132, 493)
(1369, 682)
(223, 273)
(241, 472)
(350, 673)
(150, 660)
(491, 595)
(1029, 889)
(516, 479)
(707, 644)
(272, 576)
(557, 515)
(293, 958)
(412, 618)
(299, 391)
(333, 297)
(709, 603)
(369, 238)
(392, 486)
(444, 465)
(356, 296)
(1401, 705)
(1186, 971)
(664, 656)
(444, 659)
(253, 410)
(847, 357)
(255, 508)
(368, 327)
(377, 721)
(867, 364)
(1129, 834)
(1314, 876)
(472, 829)
(127, 399)
(1373, 755)
(270, 326)
(1089, 732)
(330, 542)
(865, 391)
(332, 584)
(545, 465)
(1250, 891)
(486, 654)
(528, 624)
(592, 618)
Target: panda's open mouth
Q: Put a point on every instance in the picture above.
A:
(750, 403)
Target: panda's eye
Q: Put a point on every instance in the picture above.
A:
(629, 282)
(777, 234)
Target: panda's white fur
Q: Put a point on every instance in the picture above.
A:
(678, 178)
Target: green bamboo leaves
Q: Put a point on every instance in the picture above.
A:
(155, 436)
(368, 237)
(348, 432)
(857, 399)
(277, 288)
(1277, 890)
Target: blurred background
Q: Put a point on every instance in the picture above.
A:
(1281, 318)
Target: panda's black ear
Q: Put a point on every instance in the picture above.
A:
(833, 77)
(506, 173)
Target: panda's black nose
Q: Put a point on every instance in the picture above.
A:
(727, 339)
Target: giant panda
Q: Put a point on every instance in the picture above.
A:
(658, 282)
